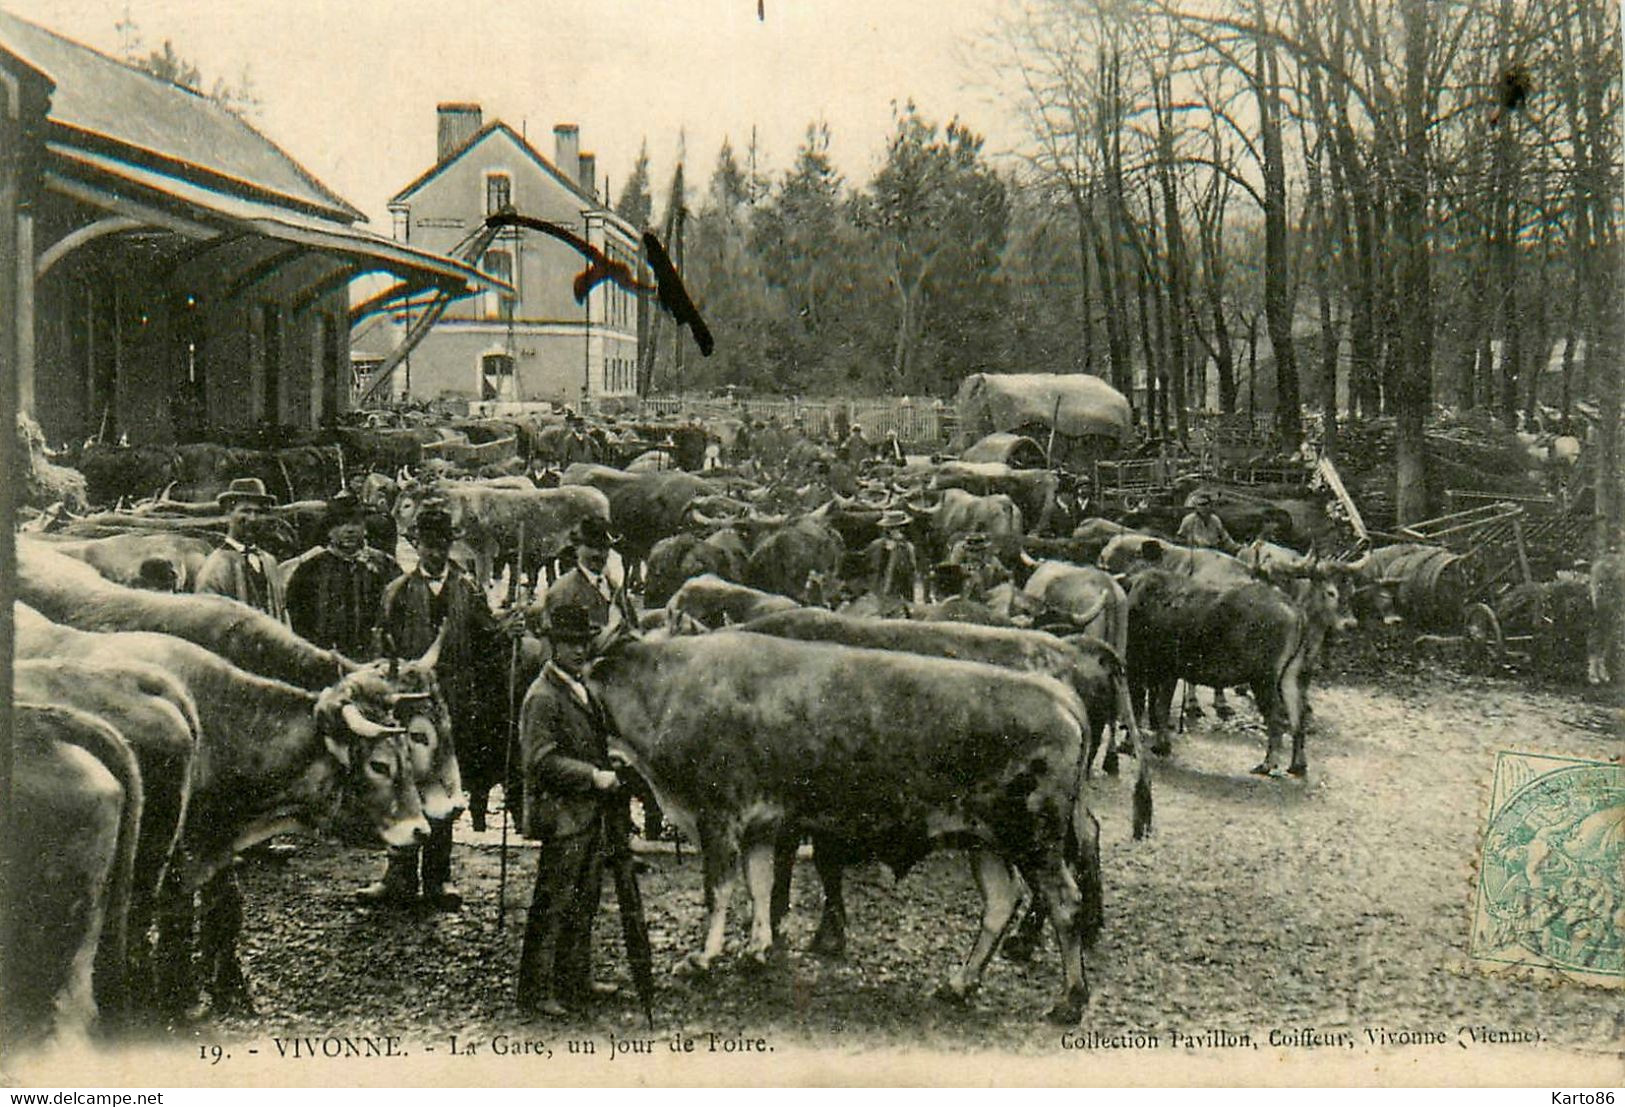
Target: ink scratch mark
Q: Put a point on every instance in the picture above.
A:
(668, 287)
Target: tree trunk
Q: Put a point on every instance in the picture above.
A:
(1277, 295)
(1414, 386)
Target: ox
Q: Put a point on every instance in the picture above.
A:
(713, 602)
(490, 521)
(74, 811)
(157, 718)
(962, 513)
(682, 557)
(1249, 635)
(1032, 490)
(643, 507)
(1090, 667)
(272, 758)
(124, 558)
(798, 559)
(746, 737)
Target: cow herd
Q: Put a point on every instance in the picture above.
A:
(762, 695)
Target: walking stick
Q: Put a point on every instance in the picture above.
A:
(507, 756)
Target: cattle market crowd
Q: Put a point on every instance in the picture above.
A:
(738, 631)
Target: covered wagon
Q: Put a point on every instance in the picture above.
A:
(1088, 417)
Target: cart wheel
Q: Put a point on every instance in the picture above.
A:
(1484, 632)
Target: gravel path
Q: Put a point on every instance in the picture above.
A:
(1341, 902)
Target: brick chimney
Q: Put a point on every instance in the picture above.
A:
(457, 124)
(589, 175)
(567, 150)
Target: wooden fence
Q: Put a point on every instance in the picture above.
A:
(922, 425)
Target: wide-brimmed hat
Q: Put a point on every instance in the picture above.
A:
(893, 518)
(1200, 498)
(245, 490)
(433, 527)
(570, 623)
(343, 509)
(977, 540)
(593, 531)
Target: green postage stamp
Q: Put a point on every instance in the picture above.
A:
(1551, 880)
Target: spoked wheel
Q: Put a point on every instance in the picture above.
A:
(1484, 633)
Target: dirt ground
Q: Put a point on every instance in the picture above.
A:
(1340, 901)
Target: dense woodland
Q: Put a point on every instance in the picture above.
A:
(1350, 207)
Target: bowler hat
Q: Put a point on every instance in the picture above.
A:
(245, 490)
(343, 509)
(570, 623)
(434, 527)
(593, 532)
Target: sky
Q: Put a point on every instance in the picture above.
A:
(349, 87)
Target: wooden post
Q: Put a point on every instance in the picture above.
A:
(1523, 552)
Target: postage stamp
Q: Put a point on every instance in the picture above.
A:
(1551, 880)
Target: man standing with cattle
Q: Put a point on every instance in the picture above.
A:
(334, 596)
(890, 567)
(569, 785)
(588, 585)
(239, 569)
(438, 598)
(1203, 528)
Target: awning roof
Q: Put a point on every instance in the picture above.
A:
(101, 100)
(373, 252)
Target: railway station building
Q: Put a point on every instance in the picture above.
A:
(535, 343)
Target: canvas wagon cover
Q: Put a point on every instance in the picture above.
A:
(990, 402)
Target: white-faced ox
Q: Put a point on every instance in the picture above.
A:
(272, 757)
(744, 737)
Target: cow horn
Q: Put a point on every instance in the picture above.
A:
(1027, 560)
(403, 697)
(363, 727)
(431, 656)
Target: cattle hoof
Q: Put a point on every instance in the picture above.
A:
(1299, 770)
(827, 944)
(1161, 749)
(757, 960)
(478, 819)
(1264, 768)
(1109, 765)
(1069, 1012)
(950, 993)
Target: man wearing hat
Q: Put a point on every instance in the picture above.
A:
(856, 448)
(588, 585)
(984, 571)
(334, 596)
(239, 569)
(379, 524)
(417, 606)
(889, 564)
(1203, 528)
(569, 784)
